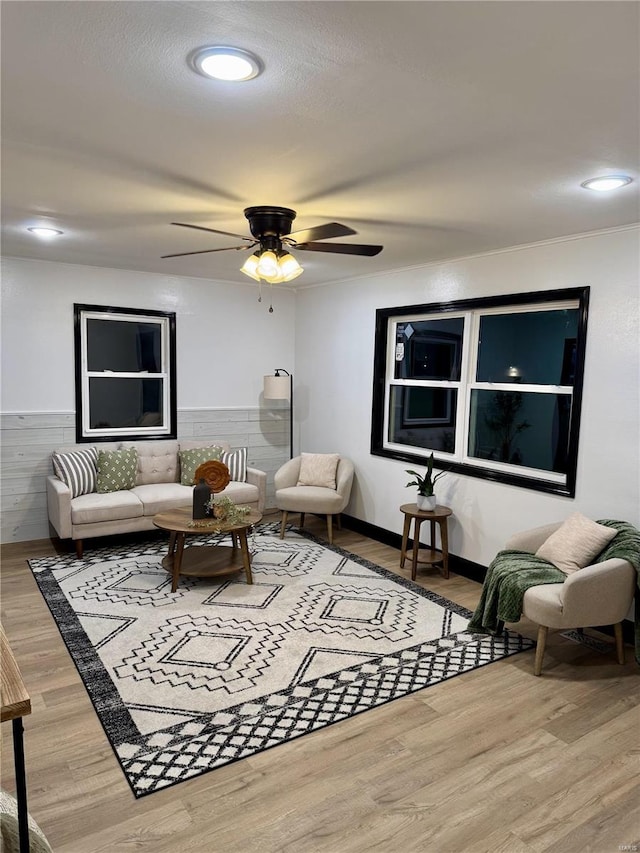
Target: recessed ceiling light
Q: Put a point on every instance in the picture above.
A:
(226, 63)
(45, 233)
(606, 183)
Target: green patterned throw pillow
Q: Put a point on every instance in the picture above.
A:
(191, 459)
(117, 469)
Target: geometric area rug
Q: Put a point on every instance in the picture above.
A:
(219, 670)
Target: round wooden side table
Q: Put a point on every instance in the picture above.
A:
(430, 555)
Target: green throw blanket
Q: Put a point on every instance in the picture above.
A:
(512, 573)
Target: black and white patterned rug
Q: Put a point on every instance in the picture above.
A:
(188, 681)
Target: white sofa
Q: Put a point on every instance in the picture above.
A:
(157, 488)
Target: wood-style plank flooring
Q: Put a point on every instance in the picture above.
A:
(494, 761)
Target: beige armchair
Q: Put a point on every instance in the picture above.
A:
(291, 497)
(600, 594)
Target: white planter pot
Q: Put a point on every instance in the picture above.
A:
(426, 502)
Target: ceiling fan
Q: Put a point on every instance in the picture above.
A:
(271, 232)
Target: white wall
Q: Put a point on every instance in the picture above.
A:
(334, 377)
(226, 342)
(226, 339)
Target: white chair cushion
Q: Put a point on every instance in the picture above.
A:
(309, 499)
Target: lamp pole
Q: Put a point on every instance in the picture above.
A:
(276, 389)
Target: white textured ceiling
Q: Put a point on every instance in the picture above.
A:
(438, 129)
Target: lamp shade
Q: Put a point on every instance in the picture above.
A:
(277, 387)
(250, 266)
(268, 265)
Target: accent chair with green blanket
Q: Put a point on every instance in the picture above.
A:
(524, 580)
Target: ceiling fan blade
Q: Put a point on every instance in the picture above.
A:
(322, 232)
(341, 248)
(214, 231)
(208, 251)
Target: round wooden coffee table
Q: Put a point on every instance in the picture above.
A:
(204, 561)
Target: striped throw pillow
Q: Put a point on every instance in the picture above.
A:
(77, 469)
(236, 462)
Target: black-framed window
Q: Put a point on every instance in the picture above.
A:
(492, 386)
(125, 363)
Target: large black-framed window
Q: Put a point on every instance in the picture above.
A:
(125, 362)
(493, 386)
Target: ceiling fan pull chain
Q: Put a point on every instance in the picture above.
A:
(270, 299)
(260, 290)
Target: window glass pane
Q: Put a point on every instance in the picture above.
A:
(536, 348)
(520, 428)
(423, 417)
(117, 403)
(126, 347)
(429, 349)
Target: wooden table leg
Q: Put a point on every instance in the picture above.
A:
(246, 557)
(177, 561)
(444, 542)
(172, 543)
(405, 538)
(416, 547)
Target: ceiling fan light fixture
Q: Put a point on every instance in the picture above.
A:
(231, 64)
(289, 266)
(250, 266)
(268, 265)
(606, 183)
(270, 228)
(295, 274)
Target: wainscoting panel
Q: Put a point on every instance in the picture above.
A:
(28, 439)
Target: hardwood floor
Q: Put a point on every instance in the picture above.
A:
(494, 761)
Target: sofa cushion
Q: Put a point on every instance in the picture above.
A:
(77, 470)
(112, 506)
(240, 493)
(157, 461)
(236, 462)
(192, 458)
(117, 469)
(158, 497)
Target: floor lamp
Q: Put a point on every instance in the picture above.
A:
(280, 387)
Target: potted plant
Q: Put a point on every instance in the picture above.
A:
(426, 499)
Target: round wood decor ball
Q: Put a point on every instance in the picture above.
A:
(215, 474)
